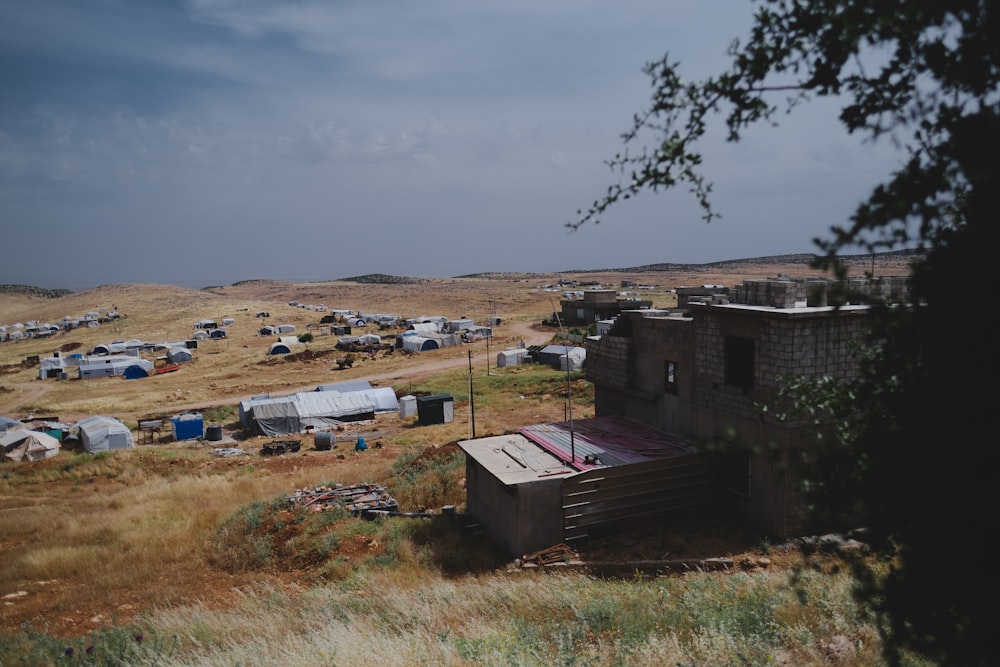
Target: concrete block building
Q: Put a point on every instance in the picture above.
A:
(704, 372)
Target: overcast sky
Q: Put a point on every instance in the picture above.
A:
(201, 142)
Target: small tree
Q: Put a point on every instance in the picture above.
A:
(306, 337)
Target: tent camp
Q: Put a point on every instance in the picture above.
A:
(26, 445)
(100, 434)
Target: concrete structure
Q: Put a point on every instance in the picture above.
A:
(515, 492)
(596, 305)
(558, 483)
(703, 374)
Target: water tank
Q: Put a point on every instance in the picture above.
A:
(324, 440)
(213, 432)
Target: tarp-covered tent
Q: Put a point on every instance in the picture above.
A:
(26, 445)
(134, 372)
(512, 357)
(7, 423)
(573, 360)
(425, 327)
(419, 344)
(286, 328)
(267, 331)
(318, 409)
(552, 354)
(51, 367)
(370, 339)
(109, 366)
(178, 355)
(100, 434)
(384, 398)
(218, 333)
(279, 348)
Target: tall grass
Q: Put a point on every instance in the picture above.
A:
(545, 619)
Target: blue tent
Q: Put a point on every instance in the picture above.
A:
(135, 372)
(8, 423)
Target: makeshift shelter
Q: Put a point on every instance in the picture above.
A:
(279, 348)
(512, 357)
(573, 360)
(178, 355)
(424, 327)
(370, 339)
(51, 367)
(135, 372)
(101, 434)
(26, 445)
(110, 366)
(435, 409)
(458, 325)
(552, 354)
(407, 406)
(292, 414)
(419, 344)
(7, 423)
(267, 331)
(188, 426)
(219, 332)
(286, 328)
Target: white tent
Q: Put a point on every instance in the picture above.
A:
(25, 445)
(512, 357)
(573, 359)
(178, 355)
(370, 339)
(100, 434)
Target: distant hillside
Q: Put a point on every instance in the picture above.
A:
(805, 259)
(382, 279)
(28, 290)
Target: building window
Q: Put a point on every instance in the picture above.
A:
(670, 376)
(739, 371)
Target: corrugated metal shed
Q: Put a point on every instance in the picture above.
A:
(612, 440)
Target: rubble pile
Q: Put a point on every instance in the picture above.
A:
(355, 498)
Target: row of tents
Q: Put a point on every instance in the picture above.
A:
(24, 442)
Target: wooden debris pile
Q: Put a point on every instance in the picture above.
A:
(355, 498)
(559, 553)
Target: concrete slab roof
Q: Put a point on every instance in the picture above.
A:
(514, 459)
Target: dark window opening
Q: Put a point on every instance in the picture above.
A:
(739, 353)
(670, 376)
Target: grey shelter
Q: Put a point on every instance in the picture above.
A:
(101, 434)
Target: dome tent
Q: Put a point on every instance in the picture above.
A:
(100, 434)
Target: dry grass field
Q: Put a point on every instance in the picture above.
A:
(98, 542)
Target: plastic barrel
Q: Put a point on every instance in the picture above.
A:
(213, 432)
(323, 440)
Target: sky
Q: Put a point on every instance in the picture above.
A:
(204, 142)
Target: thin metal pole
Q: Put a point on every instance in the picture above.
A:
(472, 404)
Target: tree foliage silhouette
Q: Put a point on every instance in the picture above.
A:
(918, 455)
